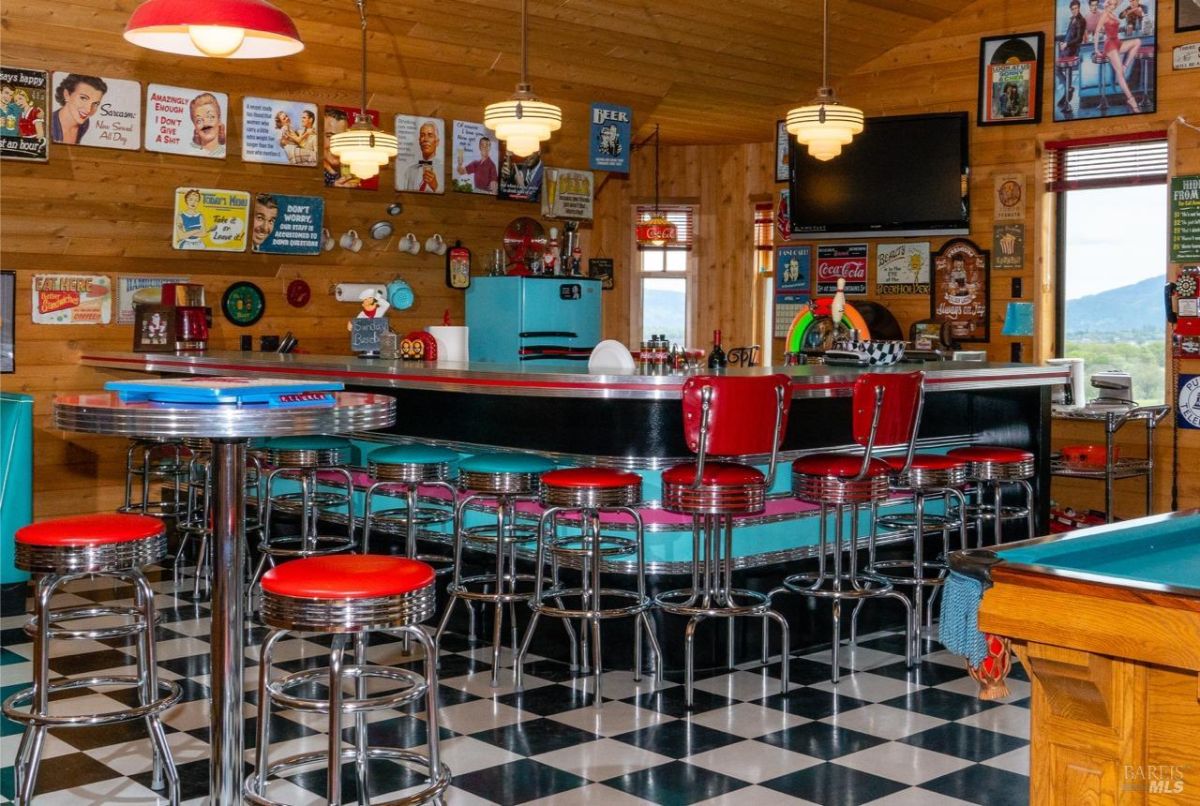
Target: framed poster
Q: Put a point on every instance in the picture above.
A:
(337, 175)
(961, 290)
(1187, 16)
(421, 161)
(8, 327)
(186, 121)
(844, 260)
(211, 219)
(902, 268)
(1010, 79)
(23, 104)
(782, 151)
(1105, 58)
(96, 111)
(610, 138)
(793, 273)
(279, 132)
(286, 225)
(475, 151)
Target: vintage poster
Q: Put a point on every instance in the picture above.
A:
(1105, 58)
(210, 219)
(71, 299)
(186, 121)
(611, 138)
(1187, 401)
(23, 97)
(783, 151)
(96, 111)
(1009, 198)
(475, 153)
(1185, 218)
(567, 193)
(134, 290)
(1008, 246)
(902, 268)
(421, 162)
(279, 132)
(1010, 79)
(286, 225)
(338, 119)
(961, 292)
(520, 177)
(783, 217)
(793, 274)
(602, 269)
(842, 260)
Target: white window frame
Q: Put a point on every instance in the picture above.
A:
(689, 275)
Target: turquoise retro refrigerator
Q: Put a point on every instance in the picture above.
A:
(543, 321)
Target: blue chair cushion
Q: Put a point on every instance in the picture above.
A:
(316, 442)
(412, 455)
(505, 463)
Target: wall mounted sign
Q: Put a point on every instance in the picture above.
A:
(961, 290)
(337, 175)
(902, 268)
(134, 290)
(793, 274)
(421, 161)
(1010, 79)
(520, 177)
(96, 111)
(783, 216)
(1105, 61)
(610, 138)
(847, 261)
(1187, 402)
(1187, 16)
(1009, 198)
(298, 293)
(279, 132)
(186, 121)
(1185, 218)
(475, 169)
(71, 299)
(24, 132)
(602, 268)
(1185, 57)
(1008, 246)
(783, 150)
(286, 225)
(210, 219)
(243, 304)
(567, 193)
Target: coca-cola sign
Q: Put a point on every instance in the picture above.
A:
(837, 261)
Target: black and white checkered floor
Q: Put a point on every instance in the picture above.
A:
(882, 735)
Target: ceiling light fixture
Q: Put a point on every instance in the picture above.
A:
(825, 125)
(523, 121)
(363, 147)
(657, 230)
(226, 29)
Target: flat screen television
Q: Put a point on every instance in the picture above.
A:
(904, 175)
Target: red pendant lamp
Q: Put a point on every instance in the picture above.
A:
(227, 29)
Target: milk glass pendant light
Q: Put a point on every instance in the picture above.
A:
(363, 147)
(523, 121)
(825, 125)
(226, 29)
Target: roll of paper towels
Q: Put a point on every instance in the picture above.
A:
(451, 342)
(1078, 381)
(350, 292)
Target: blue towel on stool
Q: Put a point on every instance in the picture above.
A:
(959, 629)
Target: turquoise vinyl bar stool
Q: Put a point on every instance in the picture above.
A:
(406, 469)
(308, 461)
(503, 478)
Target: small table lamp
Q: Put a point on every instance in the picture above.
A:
(1018, 321)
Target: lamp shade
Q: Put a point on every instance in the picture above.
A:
(656, 231)
(363, 147)
(230, 29)
(522, 122)
(824, 127)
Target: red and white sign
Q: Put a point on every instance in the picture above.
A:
(847, 261)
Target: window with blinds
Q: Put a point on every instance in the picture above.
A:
(1104, 162)
(681, 215)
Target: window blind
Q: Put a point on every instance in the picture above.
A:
(681, 215)
(764, 222)
(1101, 162)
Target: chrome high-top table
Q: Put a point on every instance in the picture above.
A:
(229, 428)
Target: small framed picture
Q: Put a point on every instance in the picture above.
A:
(154, 329)
(602, 269)
(1187, 16)
(1010, 79)
(782, 151)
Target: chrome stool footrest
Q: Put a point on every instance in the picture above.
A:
(574, 546)
(860, 586)
(439, 779)
(415, 687)
(57, 631)
(759, 603)
(16, 705)
(486, 534)
(548, 605)
(324, 544)
(893, 572)
(462, 589)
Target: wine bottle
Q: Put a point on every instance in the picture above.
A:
(716, 358)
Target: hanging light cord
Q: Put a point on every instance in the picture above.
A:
(824, 44)
(362, 15)
(655, 167)
(525, 43)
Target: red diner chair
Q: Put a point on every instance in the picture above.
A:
(724, 418)
(886, 414)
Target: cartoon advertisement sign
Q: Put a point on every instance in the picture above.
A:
(96, 111)
(71, 299)
(210, 219)
(279, 132)
(842, 260)
(23, 95)
(286, 225)
(186, 121)
(610, 138)
(902, 268)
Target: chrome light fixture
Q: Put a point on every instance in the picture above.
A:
(824, 124)
(363, 147)
(226, 29)
(523, 121)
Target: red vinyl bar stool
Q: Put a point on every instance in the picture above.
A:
(155, 460)
(347, 595)
(991, 468)
(590, 491)
(503, 478)
(724, 417)
(886, 411)
(60, 551)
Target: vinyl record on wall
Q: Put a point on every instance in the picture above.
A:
(1013, 51)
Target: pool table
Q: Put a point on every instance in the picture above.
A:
(1106, 622)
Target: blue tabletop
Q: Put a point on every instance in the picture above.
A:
(1148, 552)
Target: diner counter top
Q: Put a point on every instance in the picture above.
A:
(530, 380)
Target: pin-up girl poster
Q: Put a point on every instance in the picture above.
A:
(93, 110)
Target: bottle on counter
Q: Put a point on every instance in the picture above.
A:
(716, 358)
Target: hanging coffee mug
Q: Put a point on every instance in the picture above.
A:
(410, 244)
(351, 241)
(327, 242)
(435, 245)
